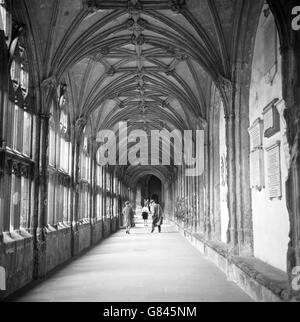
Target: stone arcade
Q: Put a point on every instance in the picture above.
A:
(71, 69)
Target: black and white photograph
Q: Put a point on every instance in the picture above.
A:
(149, 154)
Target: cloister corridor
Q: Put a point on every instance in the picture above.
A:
(138, 268)
(185, 112)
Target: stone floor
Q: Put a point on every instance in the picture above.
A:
(140, 267)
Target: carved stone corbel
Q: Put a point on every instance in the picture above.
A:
(79, 125)
(48, 87)
(225, 87)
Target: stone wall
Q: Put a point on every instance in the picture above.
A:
(17, 250)
(260, 281)
(16, 256)
(270, 217)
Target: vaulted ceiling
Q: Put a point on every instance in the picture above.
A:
(149, 62)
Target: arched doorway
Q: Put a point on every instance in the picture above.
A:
(155, 189)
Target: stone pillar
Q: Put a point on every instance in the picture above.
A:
(291, 81)
(206, 188)
(290, 50)
(227, 91)
(41, 195)
(48, 90)
(232, 176)
(75, 231)
(4, 76)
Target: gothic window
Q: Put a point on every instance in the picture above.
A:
(99, 189)
(20, 142)
(65, 146)
(52, 139)
(20, 198)
(51, 200)
(21, 116)
(60, 161)
(19, 71)
(85, 177)
(85, 161)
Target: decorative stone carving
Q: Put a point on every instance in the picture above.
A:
(91, 6)
(137, 26)
(177, 5)
(79, 125)
(104, 51)
(15, 169)
(142, 23)
(48, 86)
(138, 40)
(111, 72)
(226, 89)
(24, 171)
(170, 72)
(134, 8)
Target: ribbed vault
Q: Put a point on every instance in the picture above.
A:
(149, 63)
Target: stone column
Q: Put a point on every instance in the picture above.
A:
(48, 90)
(206, 188)
(290, 50)
(4, 76)
(41, 195)
(227, 90)
(75, 231)
(291, 81)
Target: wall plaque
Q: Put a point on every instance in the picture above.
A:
(271, 119)
(257, 169)
(274, 171)
(256, 134)
(257, 173)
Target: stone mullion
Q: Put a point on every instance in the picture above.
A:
(75, 231)
(4, 82)
(207, 225)
(93, 194)
(216, 176)
(211, 180)
(94, 188)
(7, 195)
(41, 180)
(5, 178)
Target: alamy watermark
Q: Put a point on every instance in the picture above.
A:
(296, 18)
(2, 279)
(139, 147)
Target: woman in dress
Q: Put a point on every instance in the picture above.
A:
(128, 216)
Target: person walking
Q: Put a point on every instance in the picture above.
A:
(128, 216)
(157, 217)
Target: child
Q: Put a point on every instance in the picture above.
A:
(145, 215)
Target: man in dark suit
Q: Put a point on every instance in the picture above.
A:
(157, 217)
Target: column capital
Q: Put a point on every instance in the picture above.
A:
(226, 88)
